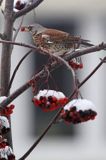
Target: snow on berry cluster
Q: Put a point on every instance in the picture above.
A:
(6, 152)
(4, 113)
(49, 100)
(77, 111)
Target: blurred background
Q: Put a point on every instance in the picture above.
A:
(86, 141)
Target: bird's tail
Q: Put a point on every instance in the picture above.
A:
(86, 43)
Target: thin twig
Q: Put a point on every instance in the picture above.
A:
(57, 114)
(20, 90)
(16, 69)
(27, 9)
(18, 29)
(19, 44)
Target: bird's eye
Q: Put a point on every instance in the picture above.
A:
(30, 28)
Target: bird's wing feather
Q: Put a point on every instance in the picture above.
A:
(53, 35)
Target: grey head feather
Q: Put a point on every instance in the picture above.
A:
(36, 28)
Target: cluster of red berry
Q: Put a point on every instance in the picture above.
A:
(8, 110)
(75, 111)
(75, 65)
(49, 103)
(77, 116)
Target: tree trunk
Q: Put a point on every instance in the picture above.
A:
(6, 53)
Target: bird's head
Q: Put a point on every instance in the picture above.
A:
(34, 28)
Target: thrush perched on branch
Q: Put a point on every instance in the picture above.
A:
(54, 41)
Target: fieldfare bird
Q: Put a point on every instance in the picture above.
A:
(54, 41)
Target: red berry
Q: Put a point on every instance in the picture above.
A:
(22, 29)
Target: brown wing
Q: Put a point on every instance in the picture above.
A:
(56, 34)
(60, 35)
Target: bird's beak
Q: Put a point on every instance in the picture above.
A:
(24, 29)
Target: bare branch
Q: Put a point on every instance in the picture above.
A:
(41, 136)
(19, 44)
(88, 50)
(27, 9)
(16, 69)
(21, 89)
(69, 55)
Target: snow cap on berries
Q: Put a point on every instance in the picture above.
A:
(49, 100)
(48, 93)
(80, 104)
(77, 111)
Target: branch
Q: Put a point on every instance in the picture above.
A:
(101, 46)
(42, 74)
(57, 114)
(41, 136)
(69, 55)
(27, 9)
(19, 44)
(16, 69)
(6, 48)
